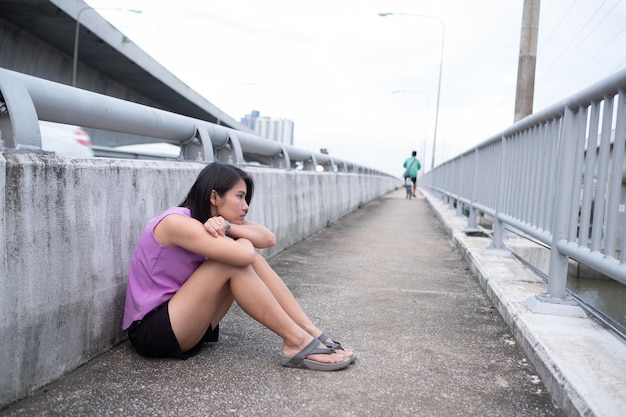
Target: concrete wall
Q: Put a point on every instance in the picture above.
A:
(68, 227)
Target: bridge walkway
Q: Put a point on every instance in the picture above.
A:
(388, 281)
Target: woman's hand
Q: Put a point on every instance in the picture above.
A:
(260, 236)
(216, 226)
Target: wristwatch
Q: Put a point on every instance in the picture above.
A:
(227, 227)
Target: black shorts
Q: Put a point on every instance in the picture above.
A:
(153, 336)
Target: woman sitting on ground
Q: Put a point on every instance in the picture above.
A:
(194, 260)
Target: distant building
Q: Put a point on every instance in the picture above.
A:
(278, 130)
(250, 119)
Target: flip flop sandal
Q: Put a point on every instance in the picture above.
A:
(300, 361)
(333, 344)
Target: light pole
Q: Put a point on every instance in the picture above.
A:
(425, 118)
(443, 36)
(80, 12)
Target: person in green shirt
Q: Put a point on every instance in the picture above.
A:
(412, 165)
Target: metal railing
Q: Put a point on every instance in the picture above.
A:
(557, 176)
(25, 99)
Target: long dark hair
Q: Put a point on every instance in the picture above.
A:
(219, 177)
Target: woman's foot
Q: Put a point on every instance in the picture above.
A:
(313, 356)
(326, 357)
(337, 346)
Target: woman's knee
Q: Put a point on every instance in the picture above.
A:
(216, 270)
(259, 259)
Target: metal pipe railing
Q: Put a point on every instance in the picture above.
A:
(26, 99)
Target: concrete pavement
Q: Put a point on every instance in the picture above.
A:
(388, 281)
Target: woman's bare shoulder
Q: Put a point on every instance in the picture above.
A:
(176, 227)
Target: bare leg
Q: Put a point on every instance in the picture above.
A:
(284, 296)
(286, 299)
(206, 296)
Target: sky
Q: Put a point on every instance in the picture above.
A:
(366, 87)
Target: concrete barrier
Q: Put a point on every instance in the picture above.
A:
(68, 227)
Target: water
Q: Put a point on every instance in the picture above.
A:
(598, 291)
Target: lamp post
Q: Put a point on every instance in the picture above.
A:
(80, 12)
(425, 118)
(443, 36)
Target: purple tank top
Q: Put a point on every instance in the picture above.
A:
(156, 272)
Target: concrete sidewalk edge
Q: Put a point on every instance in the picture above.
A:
(580, 362)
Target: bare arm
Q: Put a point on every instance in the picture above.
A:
(260, 236)
(188, 233)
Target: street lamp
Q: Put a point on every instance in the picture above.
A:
(425, 118)
(75, 64)
(443, 36)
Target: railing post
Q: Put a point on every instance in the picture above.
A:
(281, 160)
(458, 181)
(555, 300)
(452, 174)
(557, 280)
(497, 241)
(472, 221)
(199, 147)
(231, 151)
(614, 199)
(18, 121)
